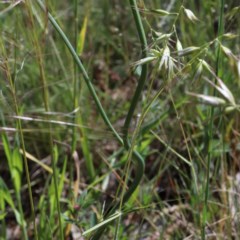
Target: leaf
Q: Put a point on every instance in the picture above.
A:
(5, 193)
(138, 70)
(19, 218)
(7, 150)
(39, 162)
(17, 169)
(62, 178)
(108, 220)
(190, 15)
(133, 197)
(52, 197)
(82, 36)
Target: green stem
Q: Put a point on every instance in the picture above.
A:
(143, 76)
(138, 157)
(220, 33)
(19, 126)
(83, 71)
(135, 99)
(47, 109)
(210, 133)
(78, 117)
(75, 82)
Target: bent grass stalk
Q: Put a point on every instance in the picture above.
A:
(138, 91)
(83, 71)
(140, 160)
(131, 151)
(130, 146)
(143, 76)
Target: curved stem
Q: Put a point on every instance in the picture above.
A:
(127, 144)
(83, 71)
(138, 157)
(143, 76)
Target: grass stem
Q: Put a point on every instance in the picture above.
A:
(210, 127)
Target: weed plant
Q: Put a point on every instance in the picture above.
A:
(119, 119)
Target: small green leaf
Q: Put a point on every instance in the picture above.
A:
(17, 169)
(19, 219)
(82, 36)
(133, 197)
(138, 70)
(62, 178)
(5, 194)
(7, 150)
